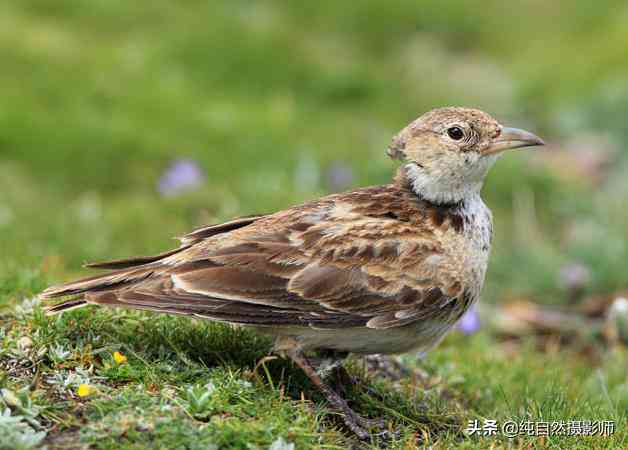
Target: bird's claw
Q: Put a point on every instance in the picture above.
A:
(385, 437)
(378, 424)
(362, 428)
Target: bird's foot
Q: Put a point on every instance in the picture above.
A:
(365, 428)
(359, 425)
(377, 424)
(373, 430)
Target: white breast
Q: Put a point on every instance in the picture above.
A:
(478, 223)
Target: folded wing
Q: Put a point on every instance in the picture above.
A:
(332, 263)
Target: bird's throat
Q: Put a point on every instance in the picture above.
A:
(440, 190)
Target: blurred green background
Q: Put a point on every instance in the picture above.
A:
(277, 102)
(97, 98)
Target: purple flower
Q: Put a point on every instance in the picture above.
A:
(339, 176)
(182, 175)
(574, 276)
(470, 322)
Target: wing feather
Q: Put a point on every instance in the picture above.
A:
(357, 259)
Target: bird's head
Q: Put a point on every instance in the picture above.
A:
(448, 151)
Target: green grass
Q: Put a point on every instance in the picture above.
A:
(189, 384)
(96, 99)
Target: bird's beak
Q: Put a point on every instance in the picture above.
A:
(510, 138)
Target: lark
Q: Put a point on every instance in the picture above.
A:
(383, 269)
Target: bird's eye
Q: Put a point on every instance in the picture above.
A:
(455, 133)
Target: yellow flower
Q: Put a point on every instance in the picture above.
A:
(119, 357)
(85, 390)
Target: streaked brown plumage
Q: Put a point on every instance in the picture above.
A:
(382, 269)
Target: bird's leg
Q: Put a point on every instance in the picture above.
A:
(356, 423)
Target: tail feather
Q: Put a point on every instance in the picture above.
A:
(134, 262)
(106, 281)
(119, 286)
(87, 290)
(133, 270)
(66, 306)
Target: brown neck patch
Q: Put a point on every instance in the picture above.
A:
(439, 215)
(397, 202)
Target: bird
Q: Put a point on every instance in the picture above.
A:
(377, 270)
